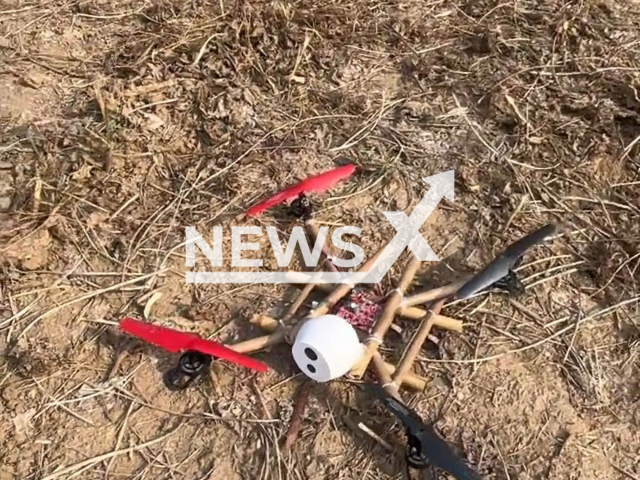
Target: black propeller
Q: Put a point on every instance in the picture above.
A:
(424, 446)
(503, 265)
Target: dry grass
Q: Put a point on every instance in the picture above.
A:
(123, 122)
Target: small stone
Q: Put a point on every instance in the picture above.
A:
(22, 422)
(4, 165)
(6, 474)
(5, 203)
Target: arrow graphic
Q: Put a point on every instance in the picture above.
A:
(408, 228)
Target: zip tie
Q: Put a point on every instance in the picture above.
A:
(374, 339)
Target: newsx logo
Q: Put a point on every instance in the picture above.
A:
(283, 257)
(407, 236)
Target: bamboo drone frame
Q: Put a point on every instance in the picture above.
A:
(391, 376)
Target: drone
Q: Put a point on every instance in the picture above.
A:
(372, 314)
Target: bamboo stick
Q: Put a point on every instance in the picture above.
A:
(306, 291)
(412, 350)
(414, 313)
(410, 380)
(440, 321)
(411, 300)
(323, 287)
(381, 367)
(259, 343)
(385, 370)
(312, 229)
(432, 294)
(383, 374)
(341, 290)
(386, 318)
(312, 233)
(448, 323)
(265, 322)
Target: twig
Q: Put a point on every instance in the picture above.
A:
(47, 13)
(37, 195)
(551, 270)
(124, 205)
(305, 44)
(624, 472)
(154, 104)
(111, 17)
(203, 48)
(123, 428)
(548, 279)
(17, 10)
(614, 275)
(88, 296)
(106, 456)
(546, 339)
(362, 428)
(299, 406)
(525, 311)
(504, 465)
(120, 356)
(312, 231)
(370, 124)
(629, 147)
(475, 130)
(157, 295)
(265, 410)
(521, 204)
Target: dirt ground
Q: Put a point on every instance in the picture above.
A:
(122, 122)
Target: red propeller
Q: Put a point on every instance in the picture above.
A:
(317, 183)
(175, 341)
